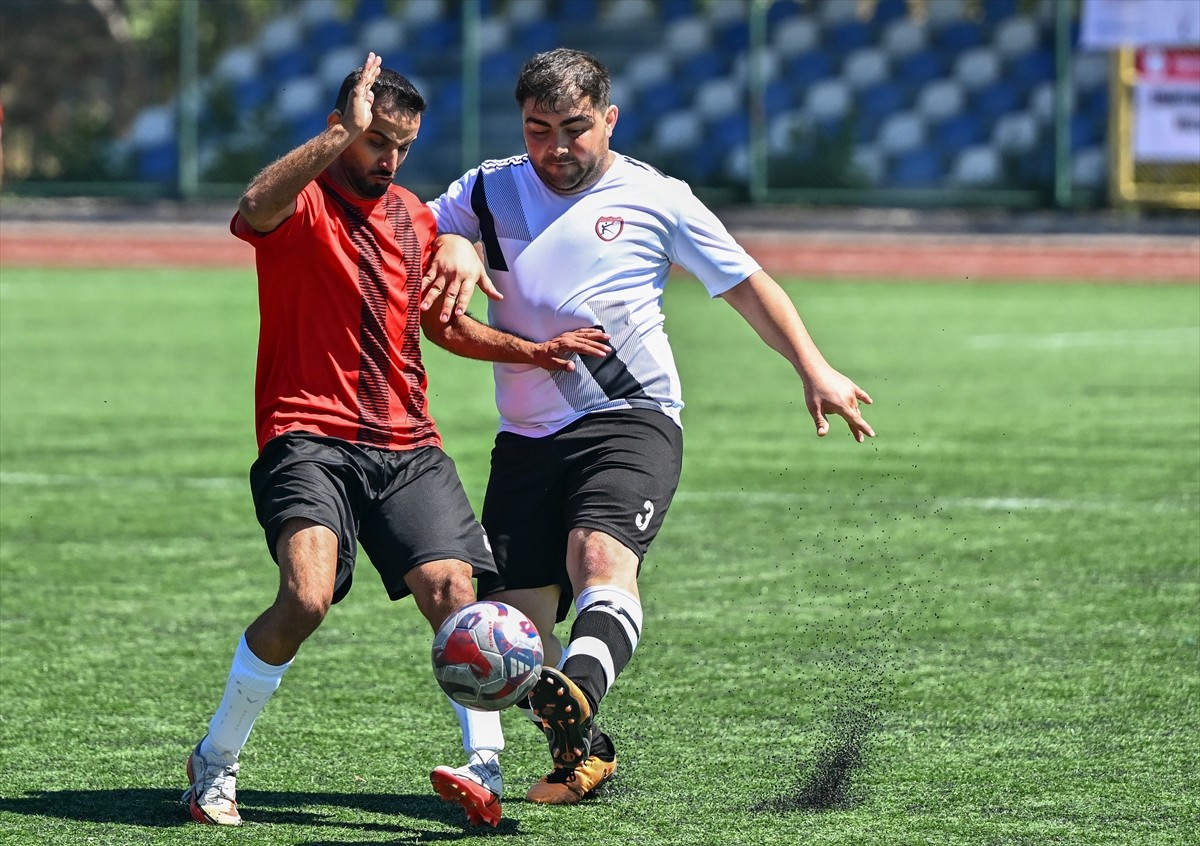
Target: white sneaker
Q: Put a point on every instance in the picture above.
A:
(212, 797)
(477, 787)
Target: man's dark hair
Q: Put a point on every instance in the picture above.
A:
(564, 75)
(390, 89)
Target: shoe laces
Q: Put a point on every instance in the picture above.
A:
(561, 775)
(219, 782)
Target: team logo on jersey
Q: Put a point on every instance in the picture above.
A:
(608, 228)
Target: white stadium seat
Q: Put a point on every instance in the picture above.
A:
(678, 130)
(783, 131)
(865, 67)
(647, 69)
(300, 95)
(1089, 167)
(719, 97)
(1015, 36)
(903, 37)
(280, 35)
(827, 99)
(1016, 132)
(795, 35)
(422, 11)
(383, 36)
(153, 125)
(686, 37)
(902, 132)
(942, 12)
(940, 99)
(313, 12)
(336, 64)
(237, 64)
(768, 65)
(977, 67)
(976, 167)
(870, 163)
(629, 11)
(838, 11)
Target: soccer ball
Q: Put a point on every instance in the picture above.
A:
(487, 656)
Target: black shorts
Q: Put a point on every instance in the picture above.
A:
(405, 507)
(615, 471)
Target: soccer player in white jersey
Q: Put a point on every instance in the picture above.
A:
(587, 460)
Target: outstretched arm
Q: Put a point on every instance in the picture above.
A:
(271, 197)
(464, 335)
(764, 305)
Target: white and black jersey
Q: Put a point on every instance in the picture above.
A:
(597, 258)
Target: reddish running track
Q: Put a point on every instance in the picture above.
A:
(1101, 258)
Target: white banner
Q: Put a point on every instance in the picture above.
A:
(1109, 24)
(1166, 106)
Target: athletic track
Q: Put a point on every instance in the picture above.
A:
(820, 253)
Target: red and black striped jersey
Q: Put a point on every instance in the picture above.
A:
(339, 325)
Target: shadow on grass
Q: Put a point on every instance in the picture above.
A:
(162, 809)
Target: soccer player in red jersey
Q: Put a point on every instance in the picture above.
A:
(348, 453)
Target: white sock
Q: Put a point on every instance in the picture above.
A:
(251, 683)
(605, 633)
(482, 736)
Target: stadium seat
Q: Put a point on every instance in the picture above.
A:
(370, 10)
(1089, 167)
(1085, 131)
(780, 96)
(919, 168)
(1015, 133)
(417, 12)
(1095, 102)
(940, 13)
(901, 133)
(865, 66)
(960, 35)
(661, 98)
(976, 167)
(782, 11)
(236, 64)
(301, 95)
(280, 35)
(718, 98)
(841, 38)
(1015, 36)
(288, 64)
(868, 164)
(702, 67)
(904, 37)
(809, 67)
(883, 99)
(992, 101)
(733, 37)
(784, 131)
(940, 99)
(795, 36)
(728, 132)
(321, 36)
(646, 70)
(383, 36)
(1089, 69)
(828, 99)
(335, 64)
(686, 37)
(536, 36)
(957, 133)
(624, 11)
(977, 67)
(436, 36)
(678, 130)
(159, 163)
(769, 66)
(833, 12)
(1029, 69)
(920, 68)
(670, 10)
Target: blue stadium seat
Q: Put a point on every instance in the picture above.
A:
(728, 132)
(159, 163)
(1031, 68)
(437, 36)
(327, 35)
(629, 130)
(674, 9)
(780, 11)
(1094, 102)
(499, 69)
(1085, 130)
(887, 11)
(992, 101)
(733, 37)
(781, 96)
(251, 93)
(809, 67)
(709, 64)
(577, 12)
(922, 67)
(850, 35)
(369, 10)
(288, 64)
(998, 10)
(959, 35)
(866, 126)
(536, 37)
(883, 98)
(1035, 168)
(662, 97)
(957, 133)
(920, 168)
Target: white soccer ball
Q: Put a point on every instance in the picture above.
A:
(487, 656)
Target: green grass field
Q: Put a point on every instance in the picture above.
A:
(979, 628)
